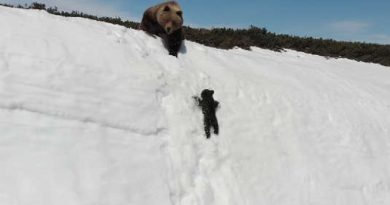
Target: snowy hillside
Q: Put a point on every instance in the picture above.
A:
(97, 114)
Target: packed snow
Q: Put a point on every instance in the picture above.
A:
(92, 113)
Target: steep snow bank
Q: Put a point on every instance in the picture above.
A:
(92, 113)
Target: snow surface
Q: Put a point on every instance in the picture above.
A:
(97, 114)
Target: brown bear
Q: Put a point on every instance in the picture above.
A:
(165, 20)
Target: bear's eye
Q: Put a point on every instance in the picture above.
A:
(179, 13)
(167, 8)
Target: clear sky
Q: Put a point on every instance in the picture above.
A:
(351, 20)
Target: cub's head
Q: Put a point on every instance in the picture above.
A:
(207, 94)
(170, 16)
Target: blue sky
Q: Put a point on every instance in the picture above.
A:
(351, 20)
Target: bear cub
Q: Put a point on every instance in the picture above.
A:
(165, 20)
(209, 107)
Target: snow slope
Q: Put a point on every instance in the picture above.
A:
(92, 113)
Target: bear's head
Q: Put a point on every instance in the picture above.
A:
(170, 16)
(207, 94)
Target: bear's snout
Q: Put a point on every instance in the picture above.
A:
(169, 27)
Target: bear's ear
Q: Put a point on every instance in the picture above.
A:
(166, 8)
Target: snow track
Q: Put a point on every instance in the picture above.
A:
(92, 113)
(201, 171)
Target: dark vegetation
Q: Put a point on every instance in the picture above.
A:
(227, 38)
